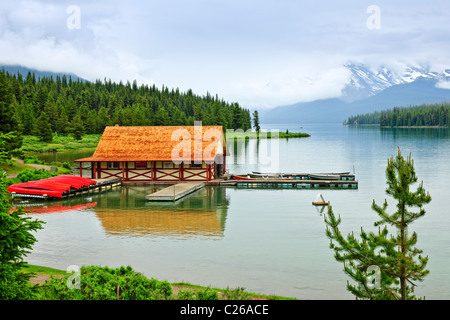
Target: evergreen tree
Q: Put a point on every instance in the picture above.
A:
(62, 125)
(6, 112)
(16, 241)
(51, 111)
(198, 112)
(162, 117)
(8, 143)
(77, 127)
(43, 128)
(383, 266)
(103, 119)
(256, 121)
(27, 117)
(101, 104)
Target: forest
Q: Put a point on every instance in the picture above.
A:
(46, 107)
(425, 115)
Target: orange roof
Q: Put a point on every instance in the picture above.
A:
(174, 143)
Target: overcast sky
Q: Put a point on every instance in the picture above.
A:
(259, 53)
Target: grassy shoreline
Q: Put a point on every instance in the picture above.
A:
(32, 144)
(238, 293)
(266, 135)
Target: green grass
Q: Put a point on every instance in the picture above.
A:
(228, 294)
(61, 142)
(233, 294)
(43, 270)
(13, 167)
(268, 135)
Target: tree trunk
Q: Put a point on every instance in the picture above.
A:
(403, 253)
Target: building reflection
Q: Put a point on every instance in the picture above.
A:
(123, 211)
(127, 213)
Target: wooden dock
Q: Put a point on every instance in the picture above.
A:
(175, 192)
(292, 184)
(299, 181)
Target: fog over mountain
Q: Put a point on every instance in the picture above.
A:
(368, 90)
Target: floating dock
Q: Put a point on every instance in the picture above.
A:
(175, 192)
(298, 181)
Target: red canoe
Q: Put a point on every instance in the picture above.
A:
(54, 187)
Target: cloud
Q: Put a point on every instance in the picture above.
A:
(443, 85)
(258, 53)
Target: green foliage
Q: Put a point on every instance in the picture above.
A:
(54, 104)
(207, 294)
(77, 128)
(31, 159)
(32, 144)
(423, 115)
(31, 175)
(8, 143)
(43, 128)
(104, 283)
(67, 166)
(16, 241)
(256, 121)
(235, 294)
(385, 266)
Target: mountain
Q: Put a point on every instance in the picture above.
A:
(14, 69)
(368, 91)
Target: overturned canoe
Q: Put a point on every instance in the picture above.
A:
(51, 187)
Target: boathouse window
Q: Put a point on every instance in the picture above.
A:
(141, 164)
(113, 165)
(168, 165)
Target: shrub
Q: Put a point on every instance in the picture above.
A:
(37, 174)
(103, 283)
(67, 166)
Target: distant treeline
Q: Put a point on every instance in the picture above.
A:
(31, 106)
(437, 114)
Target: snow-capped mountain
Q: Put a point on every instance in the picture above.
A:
(369, 90)
(364, 82)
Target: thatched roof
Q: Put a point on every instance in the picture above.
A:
(173, 143)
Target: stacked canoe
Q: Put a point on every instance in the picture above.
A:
(57, 187)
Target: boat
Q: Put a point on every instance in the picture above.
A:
(257, 174)
(325, 176)
(248, 177)
(55, 187)
(263, 176)
(320, 201)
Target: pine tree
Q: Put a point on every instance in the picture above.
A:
(162, 117)
(62, 124)
(6, 98)
(77, 127)
(383, 266)
(43, 128)
(103, 119)
(256, 121)
(16, 241)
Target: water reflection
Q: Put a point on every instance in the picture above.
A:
(201, 214)
(124, 212)
(409, 133)
(33, 208)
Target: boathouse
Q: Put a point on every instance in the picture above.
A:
(171, 153)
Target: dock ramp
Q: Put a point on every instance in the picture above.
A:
(175, 192)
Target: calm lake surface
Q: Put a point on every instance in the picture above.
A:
(267, 241)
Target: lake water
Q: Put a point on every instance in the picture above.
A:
(268, 241)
